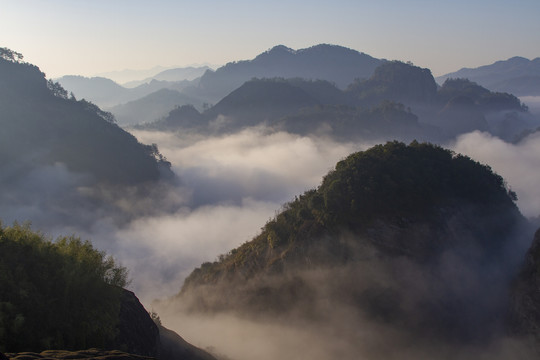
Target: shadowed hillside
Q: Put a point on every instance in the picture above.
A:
(405, 242)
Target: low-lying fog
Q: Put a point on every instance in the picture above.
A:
(229, 186)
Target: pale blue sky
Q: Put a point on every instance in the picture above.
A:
(88, 37)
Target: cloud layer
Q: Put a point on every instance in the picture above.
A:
(518, 164)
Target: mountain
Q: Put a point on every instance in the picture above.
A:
(67, 295)
(150, 107)
(516, 75)
(332, 63)
(350, 123)
(65, 161)
(172, 75)
(99, 90)
(258, 100)
(420, 109)
(296, 106)
(106, 93)
(255, 102)
(396, 81)
(42, 126)
(127, 75)
(397, 239)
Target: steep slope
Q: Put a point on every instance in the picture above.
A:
(516, 75)
(150, 107)
(259, 100)
(41, 126)
(396, 81)
(65, 162)
(457, 107)
(67, 295)
(106, 93)
(175, 74)
(469, 106)
(378, 243)
(333, 63)
(384, 121)
(99, 90)
(525, 314)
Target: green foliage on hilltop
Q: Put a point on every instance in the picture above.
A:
(387, 183)
(61, 294)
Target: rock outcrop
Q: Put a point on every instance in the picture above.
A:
(90, 354)
(139, 334)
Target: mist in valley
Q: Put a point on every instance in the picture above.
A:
(227, 185)
(221, 201)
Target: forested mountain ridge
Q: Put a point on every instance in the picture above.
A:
(41, 125)
(386, 182)
(148, 108)
(332, 63)
(352, 243)
(420, 109)
(106, 93)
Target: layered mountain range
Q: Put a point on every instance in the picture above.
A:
(516, 75)
(398, 101)
(399, 245)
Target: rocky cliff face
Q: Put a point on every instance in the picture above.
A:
(138, 334)
(89, 354)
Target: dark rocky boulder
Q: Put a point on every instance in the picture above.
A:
(137, 333)
(173, 347)
(90, 354)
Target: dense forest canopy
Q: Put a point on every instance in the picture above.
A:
(387, 182)
(61, 294)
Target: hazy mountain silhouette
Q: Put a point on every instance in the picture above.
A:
(150, 107)
(399, 101)
(106, 93)
(297, 106)
(64, 161)
(396, 81)
(517, 75)
(99, 90)
(172, 75)
(41, 125)
(127, 75)
(253, 103)
(333, 63)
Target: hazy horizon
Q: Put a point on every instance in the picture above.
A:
(90, 38)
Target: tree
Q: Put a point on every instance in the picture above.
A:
(57, 89)
(10, 55)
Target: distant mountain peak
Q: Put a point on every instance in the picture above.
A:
(514, 75)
